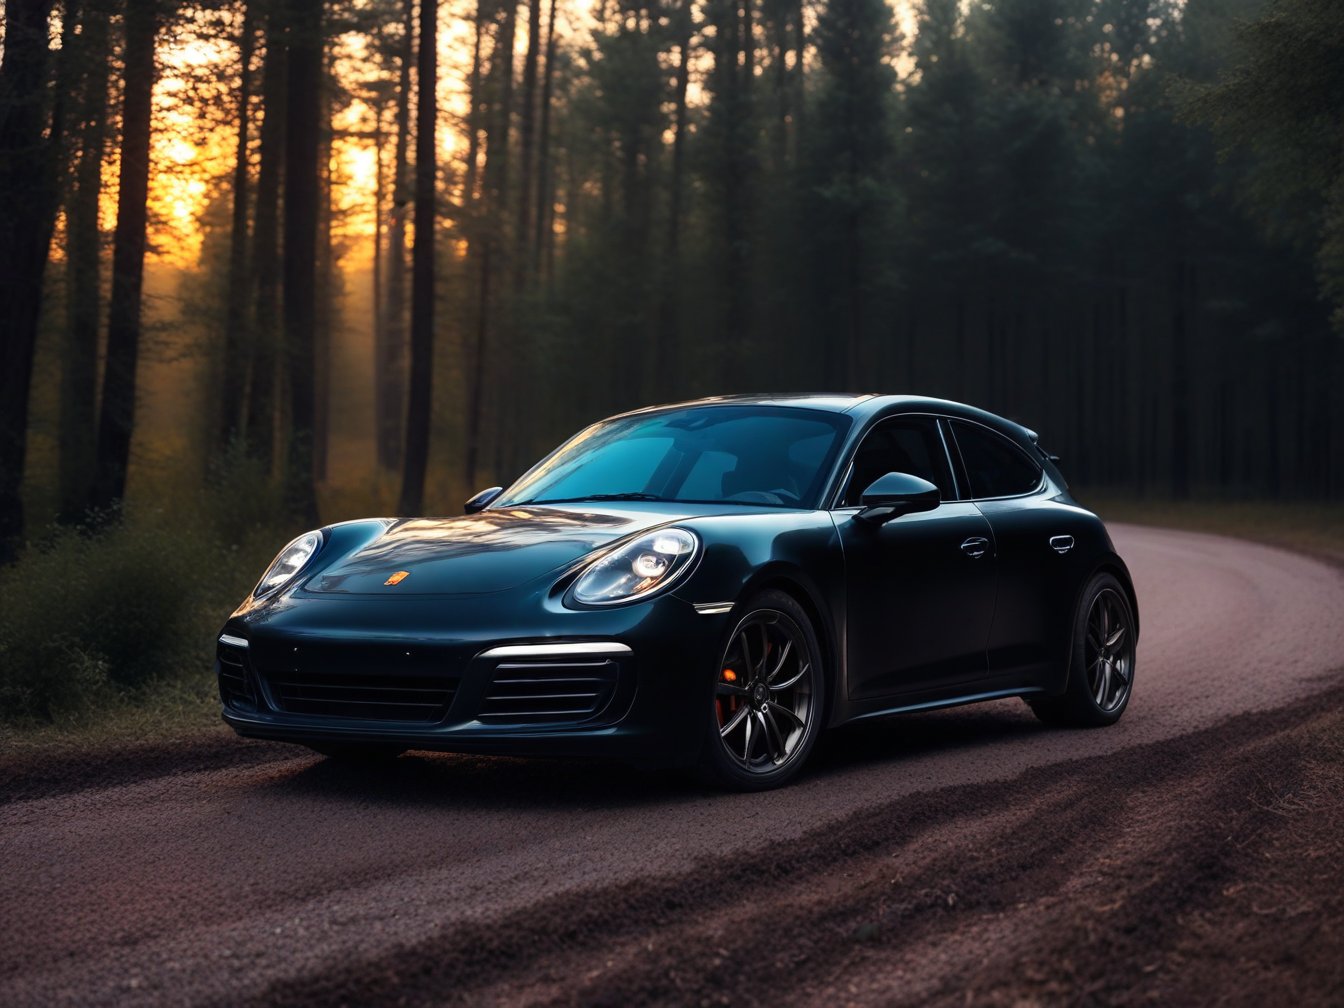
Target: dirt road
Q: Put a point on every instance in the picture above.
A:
(964, 855)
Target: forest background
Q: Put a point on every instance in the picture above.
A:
(270, 263)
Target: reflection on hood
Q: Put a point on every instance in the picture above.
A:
(486, 552)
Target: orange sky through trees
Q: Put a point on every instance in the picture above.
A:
(195, 135)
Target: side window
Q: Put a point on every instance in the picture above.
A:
(906, 444)
(994, 465)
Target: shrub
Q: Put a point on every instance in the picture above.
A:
(88, 614)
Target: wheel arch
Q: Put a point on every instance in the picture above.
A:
(1108, 563)
(1113, 565)
(799, 587)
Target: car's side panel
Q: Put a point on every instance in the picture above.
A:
(1046, 549)
(920, 594)
(798, 552)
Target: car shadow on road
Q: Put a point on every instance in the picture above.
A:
(485, 782)
(497, 782)
(904, 736)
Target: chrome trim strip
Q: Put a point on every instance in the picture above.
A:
(712, 608)
(232, 641)
(557, 650)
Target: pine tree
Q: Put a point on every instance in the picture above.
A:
(852, 196)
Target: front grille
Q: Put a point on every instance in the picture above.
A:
(235, 684)
(546, 692)
(363, 696)
(359, 680)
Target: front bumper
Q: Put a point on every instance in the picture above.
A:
(462, 676)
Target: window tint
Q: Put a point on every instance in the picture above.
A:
(778, 456)
(621, 467)
(909, 445)
(705, 480)
(994, 465)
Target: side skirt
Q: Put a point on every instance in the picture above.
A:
(957, 701)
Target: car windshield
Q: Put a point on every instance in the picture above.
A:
(776, 456)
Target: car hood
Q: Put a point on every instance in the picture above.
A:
(491, 551)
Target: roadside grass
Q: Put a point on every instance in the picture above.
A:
(181, 710)
(110, 632)
(1314, 529)
(108, 629)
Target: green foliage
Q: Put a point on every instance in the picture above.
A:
(95, 614)
(1282, 101)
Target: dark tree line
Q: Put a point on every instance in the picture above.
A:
(1117, 220)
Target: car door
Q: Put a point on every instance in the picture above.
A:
(1033, 539)
(920, 588)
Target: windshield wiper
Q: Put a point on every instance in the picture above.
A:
(632, 496)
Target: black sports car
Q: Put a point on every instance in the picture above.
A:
(711, 583)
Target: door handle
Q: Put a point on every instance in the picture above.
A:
(1061, 544)
(975, 547)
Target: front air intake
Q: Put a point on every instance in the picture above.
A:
(235, 682)
(370, 697)
(549, 691)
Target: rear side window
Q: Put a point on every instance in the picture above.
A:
(994, 465)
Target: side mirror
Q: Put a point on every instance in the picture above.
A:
(897, 494)
(482, 500)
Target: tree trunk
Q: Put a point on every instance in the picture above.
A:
(500, 347)
(799, 83)
(473, 113)
(544, 196)
(116, 418)
(669, 315)
(1182, 283)
(526, 128)
(391, 407)
(260, 426)
(854, 298)
(779, 56)
(303, 109)
(83, 244)
(420, 399)
(27, 194)
(737, 195)
(379, 314)
(324, 322)
(496, 185)
(233, 365)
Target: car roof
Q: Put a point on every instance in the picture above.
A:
(861, 407)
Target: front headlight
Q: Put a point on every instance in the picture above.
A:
(290, 561)
(640, 567)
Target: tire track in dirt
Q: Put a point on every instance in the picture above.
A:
(740, 930)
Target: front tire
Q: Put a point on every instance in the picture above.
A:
(1101, 660)
(768, 698)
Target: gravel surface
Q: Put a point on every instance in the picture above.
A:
(965, 854)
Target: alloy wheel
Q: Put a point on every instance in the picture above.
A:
(764, 696)
(1109, 650)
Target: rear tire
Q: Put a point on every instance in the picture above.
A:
(1101, 660)
(768, 700)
